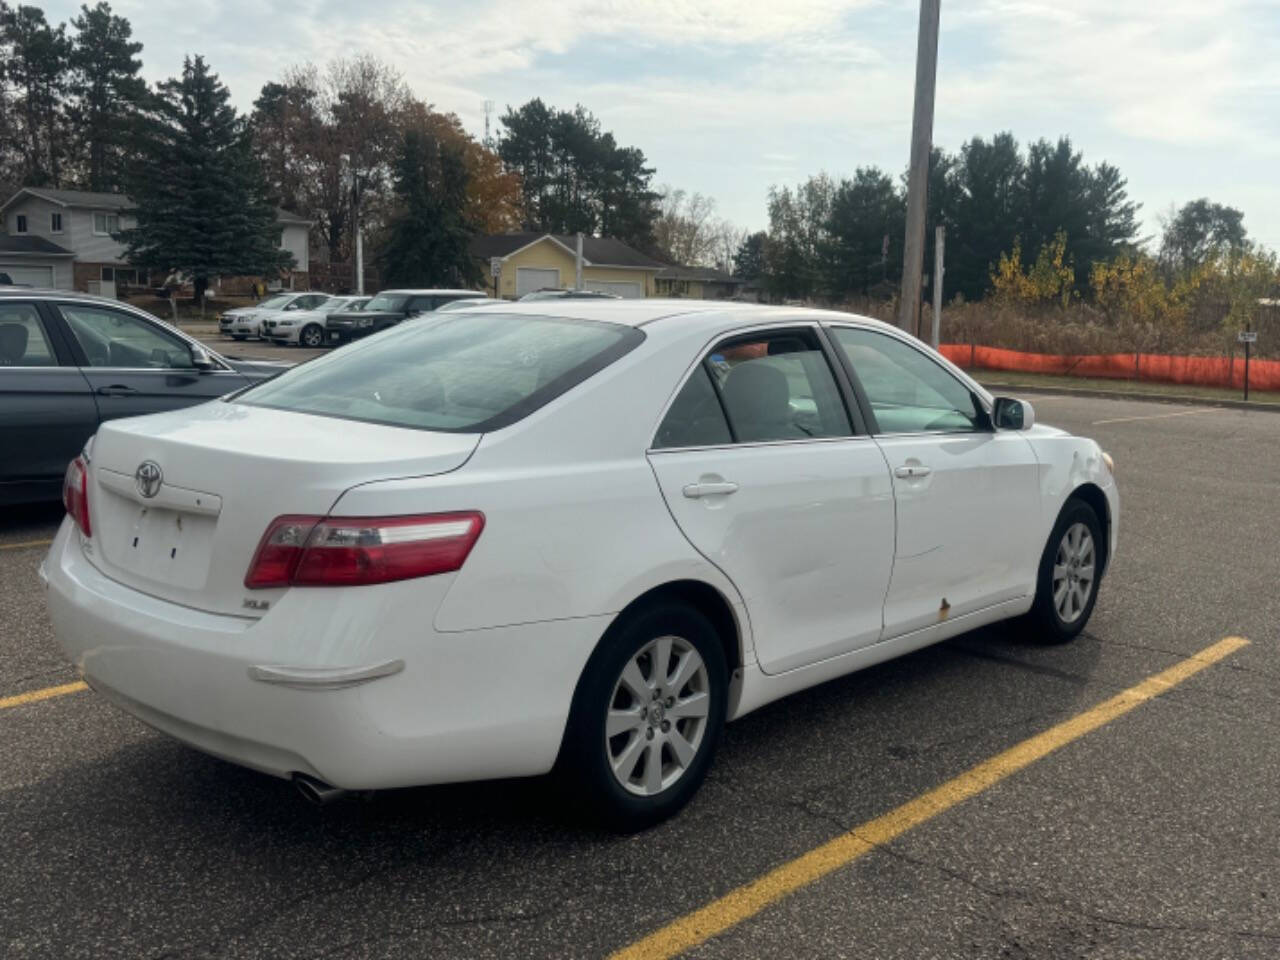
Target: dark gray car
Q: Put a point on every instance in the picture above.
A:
(69, 361)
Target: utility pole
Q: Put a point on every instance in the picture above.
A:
(918, 177)
(577, 265)
(355, 214)
(939, 244)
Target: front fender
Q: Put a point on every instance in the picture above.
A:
(1070, 464)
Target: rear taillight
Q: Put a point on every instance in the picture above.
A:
(75, 494)
(350, 551)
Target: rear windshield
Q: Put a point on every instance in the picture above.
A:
(461, 374)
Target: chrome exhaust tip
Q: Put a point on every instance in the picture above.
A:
(317, 791)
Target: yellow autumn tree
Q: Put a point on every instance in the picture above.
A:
(1130, 287)
(1050, 279)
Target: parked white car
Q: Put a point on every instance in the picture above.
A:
(244, 323)
(585, 531)
(307, 327)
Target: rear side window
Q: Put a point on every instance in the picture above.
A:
(451, 373)
(763, 388)
(695, 418)
(22, 339)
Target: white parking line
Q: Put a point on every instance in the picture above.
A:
(1158, 416)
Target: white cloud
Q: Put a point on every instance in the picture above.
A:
(728, 96)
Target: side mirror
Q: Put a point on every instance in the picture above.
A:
(1013, 414)
(201, 360)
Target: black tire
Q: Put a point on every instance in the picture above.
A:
(585, 766)
(311, 332)
(1047, 624)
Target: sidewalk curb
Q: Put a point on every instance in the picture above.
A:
(1123, 395)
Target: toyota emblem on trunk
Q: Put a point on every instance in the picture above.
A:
(148, 477)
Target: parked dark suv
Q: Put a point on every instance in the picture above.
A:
(387, 309)
(68, 361)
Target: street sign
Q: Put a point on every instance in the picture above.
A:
(1247, 336)
(495, 267)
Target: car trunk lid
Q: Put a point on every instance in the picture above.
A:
(180, 500)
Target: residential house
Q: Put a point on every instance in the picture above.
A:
(698, 283)
(538, 261)
(66, 239)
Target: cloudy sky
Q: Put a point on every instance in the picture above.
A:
(729, 96)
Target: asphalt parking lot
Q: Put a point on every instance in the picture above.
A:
(1153, 835)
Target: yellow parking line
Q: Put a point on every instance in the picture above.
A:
(748, 900)
(23, 545)
(35, 696)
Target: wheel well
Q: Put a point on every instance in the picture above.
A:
(708, 601)
(1095, 498)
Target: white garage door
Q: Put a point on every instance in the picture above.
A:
(628, 290)
(25, 273)
(529, 279)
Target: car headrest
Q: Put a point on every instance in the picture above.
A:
(758, 400)
(13, 343)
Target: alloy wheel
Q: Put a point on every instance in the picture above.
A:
(1073, 573)
(657, 716)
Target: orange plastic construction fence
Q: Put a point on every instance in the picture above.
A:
(1201, 371)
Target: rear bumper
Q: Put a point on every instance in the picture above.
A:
(350, 686)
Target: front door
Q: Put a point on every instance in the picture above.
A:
(763, 471)
(134, 366)
(968, 501)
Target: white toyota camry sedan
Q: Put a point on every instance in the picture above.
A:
(579, 535)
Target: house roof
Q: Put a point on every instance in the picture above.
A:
(76, 198)
(704, 274)
(28, 246)
(111, 201)
(596, 251)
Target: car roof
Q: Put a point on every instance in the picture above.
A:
(46, 293)
(435, 290)
(647, 312)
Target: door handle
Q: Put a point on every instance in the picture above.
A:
(723, 487)
(912, 471)
(116, 390)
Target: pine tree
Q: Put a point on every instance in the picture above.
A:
(105, 92)
(427, 242)
(200, 200)
(36, 56)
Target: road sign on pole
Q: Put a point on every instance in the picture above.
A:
(1247, 337)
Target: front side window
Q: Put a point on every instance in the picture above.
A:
(450, 374)
(21, 225)
(111, 338)
(909, 392)
(106, 223)
(22, 339)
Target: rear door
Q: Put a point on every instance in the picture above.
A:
(46, 407)
(135, 366)
(968, 500)
(763, 466)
